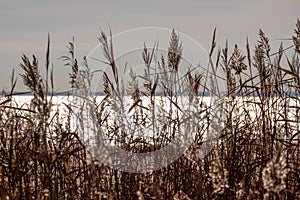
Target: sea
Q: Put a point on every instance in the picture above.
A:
(280, 110)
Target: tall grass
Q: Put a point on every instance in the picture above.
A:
(257, 155)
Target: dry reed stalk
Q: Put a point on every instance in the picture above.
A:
(42, 157)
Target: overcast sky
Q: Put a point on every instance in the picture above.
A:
(25, 25)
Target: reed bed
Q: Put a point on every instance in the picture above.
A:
(256, 156)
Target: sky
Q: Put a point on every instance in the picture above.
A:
(24, 26)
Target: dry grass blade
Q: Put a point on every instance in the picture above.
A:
(213, 43)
